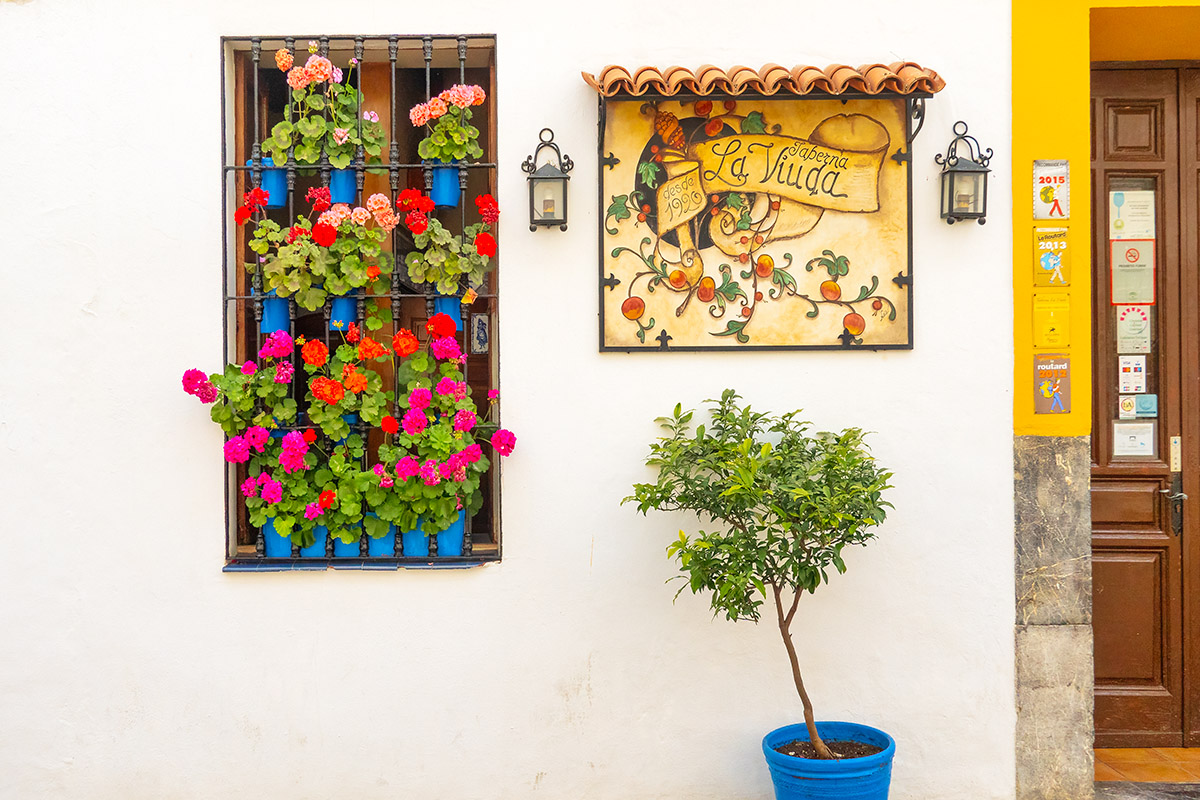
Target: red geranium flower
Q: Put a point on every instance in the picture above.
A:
(485, 245)
(440, 326)
(256, 197)
(326, 499)
(295, 232)
(404, 343)
(413, 200)
(314, 353)
(369, 348)
(489, 209)
(416, 222)
(310, 436)
(352, 333)
(320, 198)
(242, 214)
(323, 234)
(372, 272)
(389, 424)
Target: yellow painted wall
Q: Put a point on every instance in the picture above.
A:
(1052, 54)
(1160, 33)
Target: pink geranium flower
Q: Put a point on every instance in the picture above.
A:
(420, 397)
(237, 450)
(445, 348)
(414, 422)
(407, 467)
(272, 491)
(256, 437)
(504, 441)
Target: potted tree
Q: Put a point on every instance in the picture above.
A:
(779, 504)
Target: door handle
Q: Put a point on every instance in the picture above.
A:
(1176, 496)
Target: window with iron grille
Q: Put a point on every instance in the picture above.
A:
(358, 141)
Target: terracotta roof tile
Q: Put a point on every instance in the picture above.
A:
(902, 77)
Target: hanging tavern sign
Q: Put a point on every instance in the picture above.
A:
(769, 218)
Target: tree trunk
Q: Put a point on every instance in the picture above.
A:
(785, 624)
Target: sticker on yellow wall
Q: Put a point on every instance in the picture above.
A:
(1051, 189)
(1051, 319)
(1051, 257)
(1051, 383)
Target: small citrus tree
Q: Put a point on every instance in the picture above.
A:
(784, 504)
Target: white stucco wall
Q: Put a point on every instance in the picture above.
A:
(134, 668)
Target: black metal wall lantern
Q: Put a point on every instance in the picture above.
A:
(548, 185)
(964, 178)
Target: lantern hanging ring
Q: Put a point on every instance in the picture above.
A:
(974, 153)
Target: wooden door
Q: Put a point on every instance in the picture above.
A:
(1137, 508)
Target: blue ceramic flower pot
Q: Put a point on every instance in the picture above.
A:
(450, 541)
(819, 779)
(274, 183)
(343, 188)
(381, 546)
(275, 314)
(384, 546)
(343, 311)
(275, 546)
(317, 548)
(451, 307)
(445, 191)
(343, 550)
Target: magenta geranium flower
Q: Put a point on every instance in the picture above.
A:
(250, 487)
(237, 450)
(407, 467)
(278, 345)
(464, 420)
(445, 347)
(272, 491)
(313, 510)
(504, 441)
(414, 421)
(256, 437)
(420, 397)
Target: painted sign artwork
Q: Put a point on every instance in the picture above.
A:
(733, 223)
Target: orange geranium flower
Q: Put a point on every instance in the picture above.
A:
(405, 343)
(368, 348)
(355, 381)
(328, 390)
(314, 353)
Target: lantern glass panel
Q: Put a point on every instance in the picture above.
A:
(549, 203)
(967, 194)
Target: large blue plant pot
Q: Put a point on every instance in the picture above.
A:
(317, 549)
(343, 188)
(450, 541)
(819, 779)
(274, 183)
(276, 315)
(383, 546)
(275, 546)
(451, 307)
(445, 191)
(343, 550)
(343, 311)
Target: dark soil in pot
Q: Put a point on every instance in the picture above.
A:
(843, 748)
